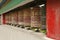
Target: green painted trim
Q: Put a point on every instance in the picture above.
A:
(11, 4)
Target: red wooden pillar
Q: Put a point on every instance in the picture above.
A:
(53, 19)
(0, 19)
(3, 18)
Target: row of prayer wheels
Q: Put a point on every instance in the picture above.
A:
(29, 17)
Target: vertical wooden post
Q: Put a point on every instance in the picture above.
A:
(53, 19)
(4, 19)
(0, 19)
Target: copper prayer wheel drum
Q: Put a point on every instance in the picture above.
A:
(27, 17)
(20, 17)
(35, 17)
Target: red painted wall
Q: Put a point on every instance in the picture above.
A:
(53, 19)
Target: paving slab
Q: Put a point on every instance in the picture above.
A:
(8, 32)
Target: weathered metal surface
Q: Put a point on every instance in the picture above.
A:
(27, 17)
(35, 17)
(20, 17)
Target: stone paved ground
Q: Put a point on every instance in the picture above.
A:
(8, 32)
